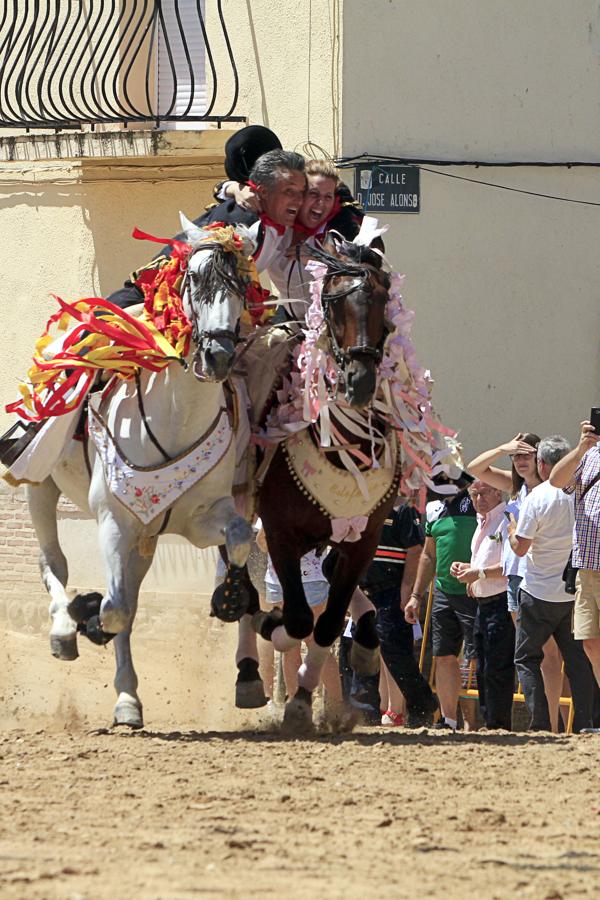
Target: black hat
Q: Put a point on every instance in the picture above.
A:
(246, 146)
(445, 483)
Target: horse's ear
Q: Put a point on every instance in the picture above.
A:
(249, 242)
(377, 244)
(193, 233)
(332, 244)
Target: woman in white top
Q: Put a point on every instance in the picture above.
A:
(320, 206)
(522, 477)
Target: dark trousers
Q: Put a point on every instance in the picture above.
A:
(494, 637)
(538, 620)
(362, 691)
(397, 642)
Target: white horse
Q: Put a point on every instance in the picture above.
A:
(181, 409)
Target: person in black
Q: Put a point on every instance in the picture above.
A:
(281, 182)
(388, 582)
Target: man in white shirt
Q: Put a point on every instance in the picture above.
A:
(494, 632)
(544, 535)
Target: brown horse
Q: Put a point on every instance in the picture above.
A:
(297, 519)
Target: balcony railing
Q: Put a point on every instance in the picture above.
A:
(69, 63)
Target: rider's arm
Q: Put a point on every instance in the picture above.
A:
(243, 195)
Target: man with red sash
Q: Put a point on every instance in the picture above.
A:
(277, 177)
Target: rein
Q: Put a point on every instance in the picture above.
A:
(149, 432)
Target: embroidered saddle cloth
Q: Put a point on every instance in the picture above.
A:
(336, 490)
(149, 491)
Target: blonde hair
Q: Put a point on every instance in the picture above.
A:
(323, 167)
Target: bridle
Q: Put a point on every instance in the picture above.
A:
(202, 337)
(364, 272)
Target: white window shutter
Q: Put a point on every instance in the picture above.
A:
(182, 84)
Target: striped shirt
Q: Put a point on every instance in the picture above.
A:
(586, 532)
(400, 531)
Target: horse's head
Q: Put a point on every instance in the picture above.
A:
(214, 302)
(354, 298)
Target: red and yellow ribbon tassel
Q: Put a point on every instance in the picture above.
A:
(93, 334)
(97, 336)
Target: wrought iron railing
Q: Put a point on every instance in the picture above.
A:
(68, 63)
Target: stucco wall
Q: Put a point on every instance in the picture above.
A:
(506, 289)
(472, 80)
(506, 286)
(66, 228)
(288, 55)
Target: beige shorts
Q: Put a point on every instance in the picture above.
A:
(586, 619)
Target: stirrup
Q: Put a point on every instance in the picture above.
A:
(12, 447)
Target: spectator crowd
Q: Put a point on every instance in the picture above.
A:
(513, 557)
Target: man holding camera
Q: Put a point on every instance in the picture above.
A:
(579, 472)
(544, 535)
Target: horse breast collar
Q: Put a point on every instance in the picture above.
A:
(149, 491)
(336, 491)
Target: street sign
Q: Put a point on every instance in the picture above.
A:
(387, 188)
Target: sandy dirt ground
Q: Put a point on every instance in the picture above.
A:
(208, 801)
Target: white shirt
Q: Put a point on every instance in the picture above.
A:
(511, 563)
(291, 279)
(272, 247)
(486, 552)
(546, 518)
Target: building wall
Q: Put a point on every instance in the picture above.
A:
(66, 227)
(505, 286)
(288, 55)
(472, 80)
(66, 222)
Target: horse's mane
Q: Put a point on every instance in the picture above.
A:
(219, 274)
(349, 260)
(359, 254)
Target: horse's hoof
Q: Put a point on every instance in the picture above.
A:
(297, 718)
(363, 660)
(250, 694)
(230, 600)
(113, 619)
(95, 633)
(64, 647)
(249, 689)
(84, 606)
(339, 718)
(238, 540)
(129, 713)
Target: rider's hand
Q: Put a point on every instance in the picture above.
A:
(293, 252)
(244, 196)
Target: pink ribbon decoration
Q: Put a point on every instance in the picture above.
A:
(350, 529)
